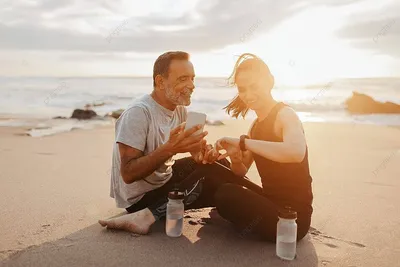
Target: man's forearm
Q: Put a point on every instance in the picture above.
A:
(135, 169)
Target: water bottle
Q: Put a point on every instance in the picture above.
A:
(286, 234)
(175, 210)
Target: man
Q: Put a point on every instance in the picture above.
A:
(147, 136)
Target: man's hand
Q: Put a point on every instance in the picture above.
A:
(181, 141)
(198, 155)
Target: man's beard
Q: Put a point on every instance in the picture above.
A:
(179, 98)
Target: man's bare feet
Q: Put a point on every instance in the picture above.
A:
(138, 222)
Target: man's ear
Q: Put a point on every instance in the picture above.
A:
(159, 82)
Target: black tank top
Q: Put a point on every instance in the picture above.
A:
(284, 183)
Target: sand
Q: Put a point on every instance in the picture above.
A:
(54, 189)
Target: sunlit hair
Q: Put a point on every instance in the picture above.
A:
(237, 106)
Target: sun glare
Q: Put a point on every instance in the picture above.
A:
(302, 50)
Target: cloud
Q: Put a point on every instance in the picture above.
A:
(52, 5)
(377, 30)
(103, 26)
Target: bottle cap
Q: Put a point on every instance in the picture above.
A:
(287, 213)
(176, 195)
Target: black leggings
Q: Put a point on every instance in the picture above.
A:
(237, 199)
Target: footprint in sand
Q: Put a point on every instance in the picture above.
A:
(44, 227)
(330, 245)
(318, 235)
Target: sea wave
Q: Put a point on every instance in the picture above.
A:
(66, 126)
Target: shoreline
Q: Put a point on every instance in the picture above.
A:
(41, 126)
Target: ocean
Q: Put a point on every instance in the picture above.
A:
(34, 101)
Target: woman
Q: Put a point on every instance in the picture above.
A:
(277, 144)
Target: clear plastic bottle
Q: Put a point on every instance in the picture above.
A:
(175, 210)
(286, 235)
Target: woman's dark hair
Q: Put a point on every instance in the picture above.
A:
(237, 106)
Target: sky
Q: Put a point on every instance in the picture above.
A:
(301, 41)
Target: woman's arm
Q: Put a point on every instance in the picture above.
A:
(293, 147)
(291, 150)
(240, 160)
(240, 166)
(248, 155)
(247, 158)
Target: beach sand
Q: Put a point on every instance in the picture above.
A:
(54, 189)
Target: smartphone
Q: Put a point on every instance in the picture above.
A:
(195, 118)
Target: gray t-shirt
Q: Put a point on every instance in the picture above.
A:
(144, 125)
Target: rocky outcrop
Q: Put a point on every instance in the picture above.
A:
(364, 104)
(115, 114)
(83, 114)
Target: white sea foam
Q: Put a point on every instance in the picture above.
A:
(67, 125)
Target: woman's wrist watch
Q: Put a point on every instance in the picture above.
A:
(242, 145)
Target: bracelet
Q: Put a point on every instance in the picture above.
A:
(242, 144)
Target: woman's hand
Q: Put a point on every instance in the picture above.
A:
(206, 155)
(210, 155)
(231, 146)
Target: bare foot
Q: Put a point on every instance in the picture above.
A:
(138, 222)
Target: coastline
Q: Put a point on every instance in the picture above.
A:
(40, 126)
